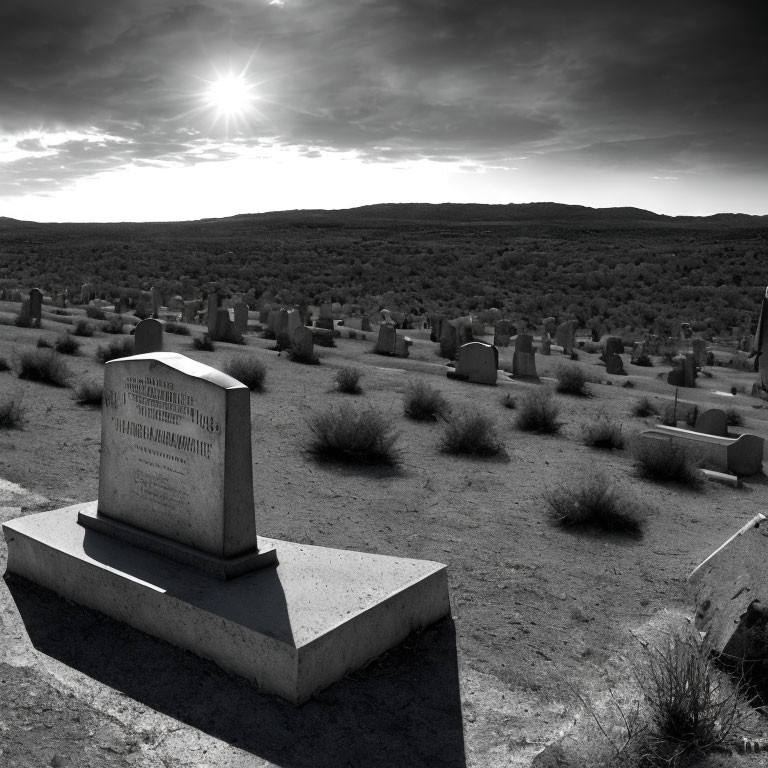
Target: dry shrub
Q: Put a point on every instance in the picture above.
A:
(603, 433)
(248, 371)
(594, 504)
(348, 380)
(95, 313)
(203, 343)
(178, 328)
(89, 393)
(571, 380)
(471, 434)
(666, 459)
(12, 415)
(83, 328)
(114, 325)
(346, 434)
(734, 417)
(422, 402)
(45, 366)
(538, 412)
(67, 344)
(114, 350)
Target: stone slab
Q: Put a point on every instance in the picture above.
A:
(291, 630)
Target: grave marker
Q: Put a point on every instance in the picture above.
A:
(148, 337)
(477, 362)
(524, 360)
(241, 317)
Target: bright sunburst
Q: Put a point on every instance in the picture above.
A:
(230, 95)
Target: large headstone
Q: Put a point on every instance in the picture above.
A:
(241, 317)
(478, 363)
(36, 306)
(524, 359)
(385, 343)
(713, 422)
(176, 463)
(148, 337)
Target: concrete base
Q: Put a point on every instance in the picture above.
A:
(291, 629)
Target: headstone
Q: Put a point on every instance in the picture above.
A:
(545, 348)
(365, 324)
(550, 325)
(683, 373)
(449, 340)
(36, 307)
(565, 335)
(385, 343)
(286, 322)
(213, 310)
(524, 358)
(157, 301)
(613, 345)
(325, 319)
(713, 422)
(402, 343)
(614, 364)
(478, 363)
(25, 314)
(190, 310)
(435, 327)
(699, 352)
(148, 337)
(176, 463)
(503, 330)
(264, 315)
(241, 317)
(86, 293)
(143, 305)
(685, 331)
(303, 343)
(222, 330)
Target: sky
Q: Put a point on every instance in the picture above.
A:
(147, 110)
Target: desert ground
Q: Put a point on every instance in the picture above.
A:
(541, 617)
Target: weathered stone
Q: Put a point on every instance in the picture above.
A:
(86, 293)
(157, 301)
(223, 329)
(190, 311)
(685, 331)
(365, 324)
(148, 337)
(524, 358)
(385, 343)
(176, 462)
(683, 373)
(214, 302)
(612, 345)
(699, 352)
(36, 307)
(241, 317)
(25, 314)
(545, 348)
(565, 336)
(614, 364)
(713, 422)
(478, 363)
(402, 343)
(550, 325)
(303, 343)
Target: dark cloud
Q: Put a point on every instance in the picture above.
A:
(665, 83)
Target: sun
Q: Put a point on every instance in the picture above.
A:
(230, 95)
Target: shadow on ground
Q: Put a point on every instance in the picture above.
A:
(404, 709)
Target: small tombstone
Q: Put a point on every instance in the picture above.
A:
(222, 330)
(614, 364)
(545, 348)
(385, 343)
(463, 326)
(550, 325)
(402, 343)
(613, 345)
(281, 330)
(478, 363)
(524, 358)
(86, 293)
(157, 301)
(122, 305)
(699, 352)
(449, 340)
(303, 343)
(25, 314)
(241, 317)
(683, 374)
(36, 306)
(61, 301)
(190, 310)
(264, 315)
(325, 319)
(143, 304)
(213, 309)
(712, 422)
(365, 324)
(565, 335)
(148, 337)
(435, 326)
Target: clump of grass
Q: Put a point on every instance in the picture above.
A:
(89, 393)
(178, 328)
(422, 402)
(114, 350)
(83, 328)
(471, 434)
(203, 343)
(538, 412)
(508, 401)
(12, 415)
(643, 361)
(644, 408)
(571, 380)
(594, 503)
(67, 344)
(95, 313)
(348, 381)
(114, 325)
(4, 365)
(45, 366)
(346, 434)
(692, 709)
(43, 344)
(603, 433)
(665, 459)
(734, 418)
(248, 371)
